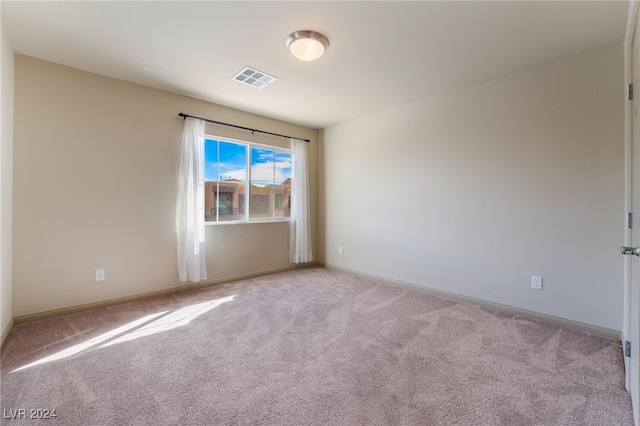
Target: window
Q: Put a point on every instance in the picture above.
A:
(246, 182)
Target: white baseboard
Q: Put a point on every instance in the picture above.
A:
(6, 332)
(589, 328)
(111, 302)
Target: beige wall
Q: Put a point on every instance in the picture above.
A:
(95, 186)
(475, 191)
(6, 181)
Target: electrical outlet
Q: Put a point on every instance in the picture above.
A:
(536, 283)
(100, 275)
(340, 250)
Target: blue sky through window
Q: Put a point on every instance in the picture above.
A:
(233, 161)
(267, 167)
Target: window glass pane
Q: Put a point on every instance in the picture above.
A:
(226, 176)
(231, 201)
(231, 183)
(282, 201)
(210, 160)
(262, 162)
(270, 184)
(210, 177)
(227, 180)
(284, 167)
(260, 203)
(233, 162)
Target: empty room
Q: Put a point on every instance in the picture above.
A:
(319, 213)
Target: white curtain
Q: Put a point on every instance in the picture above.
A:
(300, 227)
(190, 210)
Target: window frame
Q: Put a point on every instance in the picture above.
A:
(247, 197)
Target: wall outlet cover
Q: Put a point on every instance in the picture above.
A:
(536, 282)
(100, 275)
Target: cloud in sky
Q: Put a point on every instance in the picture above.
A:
(271, 172)
(232, 171)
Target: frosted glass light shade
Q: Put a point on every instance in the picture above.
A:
(307, 45)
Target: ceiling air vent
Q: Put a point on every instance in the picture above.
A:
(254, 78)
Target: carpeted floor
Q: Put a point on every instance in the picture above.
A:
(309, 347)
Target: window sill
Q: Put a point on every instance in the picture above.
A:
(247, 222)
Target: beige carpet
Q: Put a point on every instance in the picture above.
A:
(310, 347)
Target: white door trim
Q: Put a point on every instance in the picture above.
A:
(631, 382)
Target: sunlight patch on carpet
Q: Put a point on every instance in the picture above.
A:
(146, 326)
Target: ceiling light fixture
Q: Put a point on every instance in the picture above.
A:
(307, 45)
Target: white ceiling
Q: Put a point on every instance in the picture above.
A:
(382, 54)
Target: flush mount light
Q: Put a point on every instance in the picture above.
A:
(307, 45)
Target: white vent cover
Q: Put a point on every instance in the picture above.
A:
(254, 78)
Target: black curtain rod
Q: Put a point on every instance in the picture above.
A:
(183, 115)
